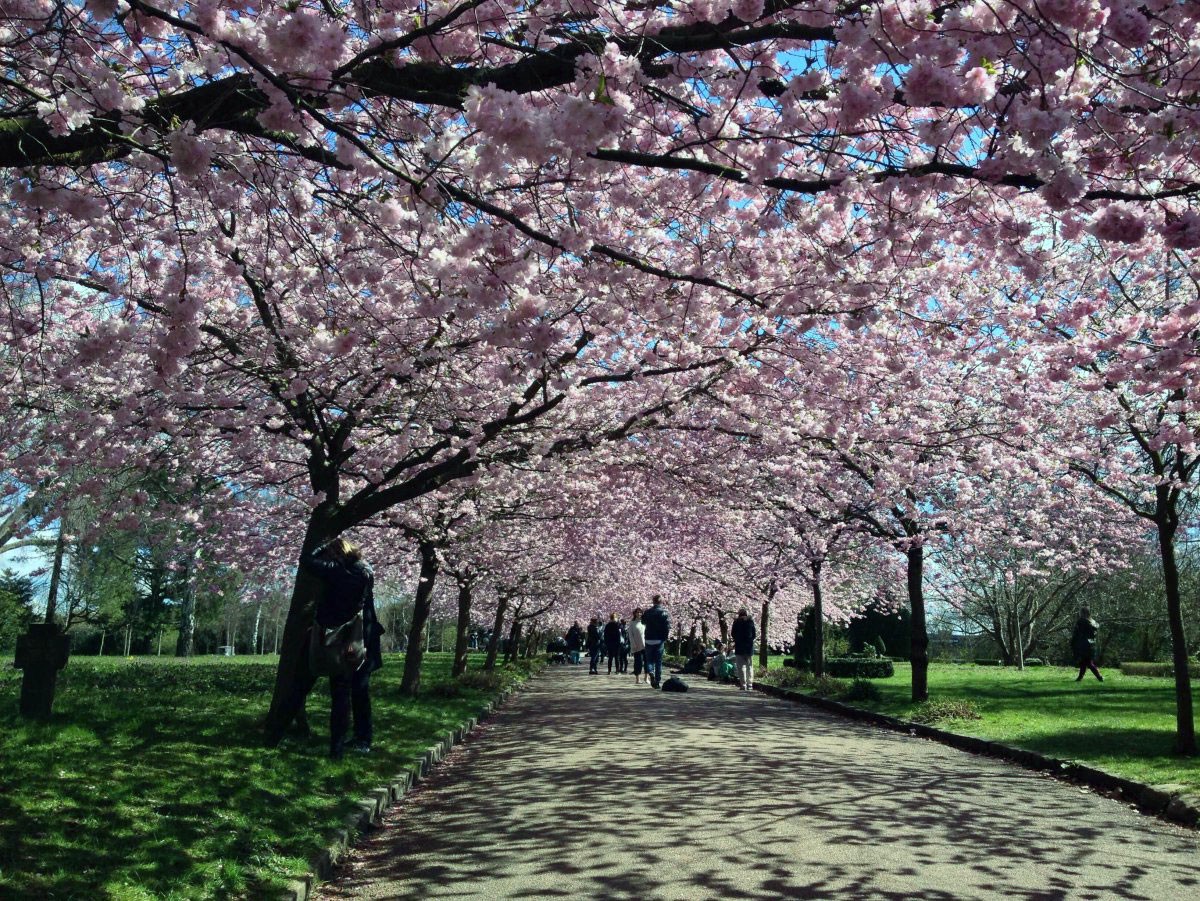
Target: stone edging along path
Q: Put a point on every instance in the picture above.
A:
(1148, 798)
(369, 811)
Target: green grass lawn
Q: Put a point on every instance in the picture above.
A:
(1124, 725)
(151, 782)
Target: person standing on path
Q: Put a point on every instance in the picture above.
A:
(1083, 644)
(612, 643)
(637, 644)
(574, 642)
(349, 594)
(744, 633)
(593, 646)
(623, 658)
(658, 629)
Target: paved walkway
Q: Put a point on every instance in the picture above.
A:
(592, 787)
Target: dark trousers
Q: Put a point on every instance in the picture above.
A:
(1086, 665)
(594, 661)
(639, 658)
(654, 654)
(346, 692)
(613, 655)
(623, 660)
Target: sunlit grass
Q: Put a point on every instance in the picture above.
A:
(1124, 725)
(151, 781)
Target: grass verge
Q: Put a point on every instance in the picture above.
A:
(1124, 725)
(151, 782)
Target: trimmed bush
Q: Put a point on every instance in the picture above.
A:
(866, 651)
(863, 690)
(880, 646)
(479, 679)
(803, 680)
(859, 668)
(945, 709)
(1034, 661)
(1137, 668)
(979, 661)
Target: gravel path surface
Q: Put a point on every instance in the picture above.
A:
(592, 787)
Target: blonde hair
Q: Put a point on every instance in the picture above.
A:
(346, 550)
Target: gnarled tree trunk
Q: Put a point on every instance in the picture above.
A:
(462, 629)
(818, 621)
(1185, 728)
(411, 683)
(489, 662)
(919, 654)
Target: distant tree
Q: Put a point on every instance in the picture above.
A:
(16, 608)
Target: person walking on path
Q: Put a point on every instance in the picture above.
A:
(637, 645)
(658, 629)
(623, 657)
(349, 595)
(574, 642)
(593, 646)
(612, 643)
(1083, 644)
(744, 633)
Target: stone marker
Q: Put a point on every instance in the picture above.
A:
(41, 653)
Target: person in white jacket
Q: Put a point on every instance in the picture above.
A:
(637, 645)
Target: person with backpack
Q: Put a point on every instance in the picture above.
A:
(574, 642)
(744, 633)
(1083, 644)
(637, 644)
(658, 629)
(345, 640)
(593, 646)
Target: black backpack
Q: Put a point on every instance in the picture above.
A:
(675, 684)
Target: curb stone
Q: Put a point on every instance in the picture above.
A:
(1163, 802)
(369, 811)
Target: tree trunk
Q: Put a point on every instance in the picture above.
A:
(160, 632)
(1020, 639)
(818, 621)
(56, 570)
(292, 677)
(257, 621)
(489, 662)
(724, 627)
(1185, 727)
(763, 649)
(103, 633)
(462, 632)
(185, 644)
(128, 638)
(410, 685)
(920, 637)
(514, 640)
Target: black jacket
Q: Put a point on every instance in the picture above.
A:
(612, 635)
(593, 636)
(574, 638)
(1083, 640)
(744, 634)
(349, 589)
(658, 624)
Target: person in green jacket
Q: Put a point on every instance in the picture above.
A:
(1083, 644)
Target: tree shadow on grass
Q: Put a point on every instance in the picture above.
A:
(590, 787)
(163, 784)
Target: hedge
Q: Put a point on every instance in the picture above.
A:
(1157, 669)
(859, 668)
(979, 661)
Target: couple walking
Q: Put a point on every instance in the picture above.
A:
(648, 635)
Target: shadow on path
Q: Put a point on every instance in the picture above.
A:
(592, 786)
